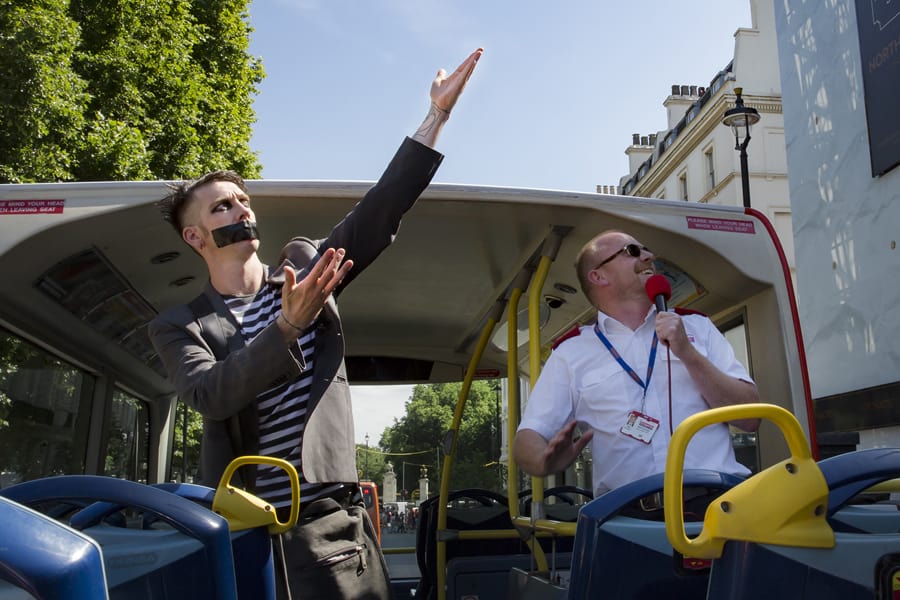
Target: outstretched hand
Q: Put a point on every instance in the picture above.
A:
(446, 89)
(562, 450)
(301, 301)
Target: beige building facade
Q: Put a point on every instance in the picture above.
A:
(694, 158)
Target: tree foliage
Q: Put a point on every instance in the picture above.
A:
(125, 89)
(42, 99)
(429, 415)
(186, 445)
(39, 402)
(370, 462)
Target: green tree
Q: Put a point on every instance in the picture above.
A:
(429, 415)
(42, 99)
(370, 463)
(126, 89)
(186, 448)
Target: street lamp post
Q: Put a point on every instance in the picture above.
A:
(740, 118)
(367, 455)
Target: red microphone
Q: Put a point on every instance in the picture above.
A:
(659, 291)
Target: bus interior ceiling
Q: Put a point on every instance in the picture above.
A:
(424, 301)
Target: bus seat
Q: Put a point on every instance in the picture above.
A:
(252, 548)
(190, 559)
(863, 563)
(46, 558)
(498, 576)
(476, 509)
(849, 476)
(618, 556)
(564, 508)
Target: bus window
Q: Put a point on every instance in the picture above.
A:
(186, 446)
(128, 439)
(370, 500)
(746, 447)
(44, 406)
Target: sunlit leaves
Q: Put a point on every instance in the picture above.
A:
(126, 89)
(429, 415)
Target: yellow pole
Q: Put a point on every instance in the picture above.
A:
(451, 451)
(512, 379)
(534, 347)
(512, 397)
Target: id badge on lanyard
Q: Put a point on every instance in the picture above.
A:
(638, 425)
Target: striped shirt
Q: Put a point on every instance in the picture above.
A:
(282, 409)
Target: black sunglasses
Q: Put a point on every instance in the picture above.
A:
(633, 250)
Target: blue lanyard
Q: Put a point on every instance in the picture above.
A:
(625, 365)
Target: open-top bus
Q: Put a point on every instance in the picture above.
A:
(480, 280)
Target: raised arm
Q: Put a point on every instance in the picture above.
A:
(445, 91)
(718, 388)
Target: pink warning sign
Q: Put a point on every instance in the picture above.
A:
(31, 207)
(729, 225)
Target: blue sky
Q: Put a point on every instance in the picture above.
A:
(553, 103)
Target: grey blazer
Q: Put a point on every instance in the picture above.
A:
(220, 376)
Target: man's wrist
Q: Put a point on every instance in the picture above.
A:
(430, 128)
(442, 112)
(285, 319)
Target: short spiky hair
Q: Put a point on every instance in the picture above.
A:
(174, 205)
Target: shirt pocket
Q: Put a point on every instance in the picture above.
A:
(664, 356)
(600, 392)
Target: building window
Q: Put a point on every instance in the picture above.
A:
(746, 445)
(683, 186)
(710, 168)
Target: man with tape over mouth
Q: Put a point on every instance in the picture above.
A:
(260, 355)
(612, 379)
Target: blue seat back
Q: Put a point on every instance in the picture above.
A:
(192, 560)
(46, 558)
(252, 548)
(862, 563)
(618, 556)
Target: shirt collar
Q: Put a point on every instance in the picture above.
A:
(605, 322)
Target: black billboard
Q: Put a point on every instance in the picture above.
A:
(878, 22)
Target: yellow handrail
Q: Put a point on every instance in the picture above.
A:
(243, 510)
(534, 348)
(785, 504)
(512, 396)
(451, 451)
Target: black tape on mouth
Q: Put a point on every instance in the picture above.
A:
(236, 232)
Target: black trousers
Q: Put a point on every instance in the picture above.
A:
(332, 553)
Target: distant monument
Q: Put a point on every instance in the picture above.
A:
(423, 484)
(389, 484)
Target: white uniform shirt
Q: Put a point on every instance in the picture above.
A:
(582, 380)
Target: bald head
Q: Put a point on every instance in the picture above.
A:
(592, 253)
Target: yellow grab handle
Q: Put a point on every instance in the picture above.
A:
(244, 510)
(784, 504)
